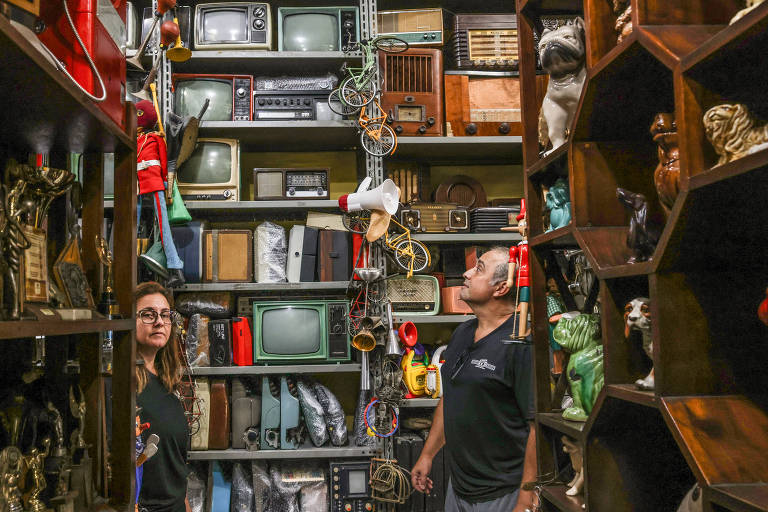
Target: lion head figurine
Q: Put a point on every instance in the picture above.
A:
(731, 130)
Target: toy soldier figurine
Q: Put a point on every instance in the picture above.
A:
(152, 168)
(519, 274)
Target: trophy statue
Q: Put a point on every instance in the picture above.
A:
(108, 305)
(81, 473)
(10, 475)
(59, 450)
(34, 462)
(77, 408)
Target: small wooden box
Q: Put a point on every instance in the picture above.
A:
(228, 255)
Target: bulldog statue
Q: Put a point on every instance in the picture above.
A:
(562, 56)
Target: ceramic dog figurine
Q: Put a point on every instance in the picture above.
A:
(637, 317)
(642, 236)
(573, 450)
(558, 202)
(732, 132)
(751, 4)
(693, 502)
(562, 56)
(579, 334)
(666, 177)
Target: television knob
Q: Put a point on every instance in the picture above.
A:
(240, 92)
(335, 478)
(259, 24)
(307, 101)
(348, 24)
(471, 129)
(422, 129)
(291, 101)
(261, 101)
(335, 487)
(227, 193)
(259, 12)
(504, 128)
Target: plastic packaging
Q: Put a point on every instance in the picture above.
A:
(213, 304)
(197, 345)
(195, 492)
(313, 413)
(285, 494)
(242, 490)
(262, 486)
(361, 432)
(335, 420)
(270, 249)
(314, 497)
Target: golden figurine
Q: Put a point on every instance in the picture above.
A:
(108, 304)
(77, 408)
(10, 476)
(35, 463)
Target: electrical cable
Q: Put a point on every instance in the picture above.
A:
(63, 69)
(369, 423)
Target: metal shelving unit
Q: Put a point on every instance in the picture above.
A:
(466, 150)
(276, 369)
(503, 236)
(276, 62)
(305, 452)
(432, 319)
(251, 287)
(286, 135)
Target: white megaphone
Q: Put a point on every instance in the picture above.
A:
(385, 197)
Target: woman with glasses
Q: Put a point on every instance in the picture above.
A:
(164, 485)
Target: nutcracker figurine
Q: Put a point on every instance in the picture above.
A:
(152, 168)
(519, 275)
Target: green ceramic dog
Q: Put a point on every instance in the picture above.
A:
(579, 334)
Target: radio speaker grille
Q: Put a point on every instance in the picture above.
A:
(416, 294)
(409, 73)
(269, 184)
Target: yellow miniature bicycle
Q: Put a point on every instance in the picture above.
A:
(409, 254)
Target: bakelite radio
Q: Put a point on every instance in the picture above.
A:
(482, 105)
(412, 91)
(484, 41)
(101, 28)
(417, 27)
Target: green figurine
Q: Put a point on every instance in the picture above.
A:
(579, 334)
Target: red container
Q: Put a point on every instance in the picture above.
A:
(452, 303)
(242, 342)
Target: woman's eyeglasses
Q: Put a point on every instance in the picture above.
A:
(149, 316)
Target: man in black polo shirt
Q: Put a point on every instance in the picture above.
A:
(485, 417)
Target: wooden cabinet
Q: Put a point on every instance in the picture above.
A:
(706, 419)
(41, 111)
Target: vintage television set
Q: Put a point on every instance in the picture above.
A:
(230, 95)
(317, 333)
(101, 28)
(317, 29)
(233, 25)
(417, 27)
(212, 172)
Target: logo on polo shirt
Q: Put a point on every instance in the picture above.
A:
(483, 364)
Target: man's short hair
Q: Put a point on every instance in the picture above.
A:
(501, 271)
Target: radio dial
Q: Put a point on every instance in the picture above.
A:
(285, 102)
(504, 128)
(258, 24)
(291, 191)
(430, 121)
(269, 101)
(422, 129)
(471, 129)
(434, 36)
(261, 101)
(320, 191)
(426, 36)
(227, 193)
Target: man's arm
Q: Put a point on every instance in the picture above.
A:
(530, 470)
(436, 440)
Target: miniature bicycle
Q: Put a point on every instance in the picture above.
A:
(409, 254)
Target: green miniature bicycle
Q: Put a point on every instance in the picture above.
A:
(359, 88)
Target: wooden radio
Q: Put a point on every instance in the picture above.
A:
(482, 105)
(291, 184)
(412, 91)
(435, 218)
(484, 41)
(417, 27)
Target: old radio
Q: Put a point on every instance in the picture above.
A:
(482, 105)
(351, 488)
(419, 295)
(417, 27)
(294, 98)
(484, 41)
(291, 184)
(435, 218)
(230, 96)
(96, 27)
(412, 91)
(493, 219)
(233, 26)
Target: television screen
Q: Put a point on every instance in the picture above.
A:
(189, 97)
(210, 163)
(290, 331)
(310, 32)
(225, 25)
(357, 482)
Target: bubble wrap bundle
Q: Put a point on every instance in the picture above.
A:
(285, 495)
(213, 304)
(270, 250)
(314, 497)
(361, 435)
(242, 491)
(197, 345)
(334, 414)
(314, 416)
(195, 492)
(262, 486)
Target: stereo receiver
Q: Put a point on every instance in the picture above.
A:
(294, 98)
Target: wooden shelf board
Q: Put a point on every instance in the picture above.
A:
(555, 494)
(286, 135)
(741, 497)
(551, 6)
(248, 287)
(561, 237)
(722, 437)
(32, 328)
(431, 319)
(452, 150)
(501, 236)
(630, 393)
(265, 62)
(54, 113)
(671, 46)
(306, 452)
(555, 421)
(275, 369)
(606, 249)
(543, 164)
(729, 170)
(750, 31)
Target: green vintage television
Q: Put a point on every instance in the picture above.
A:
(308, 331)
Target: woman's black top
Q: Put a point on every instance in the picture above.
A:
(164, 485)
